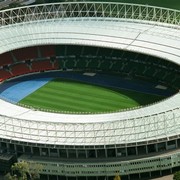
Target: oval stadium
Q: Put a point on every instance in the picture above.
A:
(90, 90)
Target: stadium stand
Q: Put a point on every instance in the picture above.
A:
(25, 53)
(47, 51)
(88, 58)
(124, 62)
(55, 63)
(19, 69)
(138, 143)
(41, 65)
(81, 62)
(4, 75)
(60, 50)
(6, 59)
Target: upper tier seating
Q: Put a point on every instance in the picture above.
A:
(81, 63)
(47, 51)
(4, 75)
(6, 59)
(25, 53)
(86, 58)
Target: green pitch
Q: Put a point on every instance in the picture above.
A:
(73, 97)
(174, 4)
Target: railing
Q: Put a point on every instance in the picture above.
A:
(157, 163)
(89, 10)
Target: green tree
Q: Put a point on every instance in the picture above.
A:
(117, 177)
(21, 171)
(176, 176)
(14, 5)
(35, 168)
(40, 1)
(8, 176)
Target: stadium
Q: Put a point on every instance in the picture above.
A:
(115, 52)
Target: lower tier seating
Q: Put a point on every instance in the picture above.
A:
(41, 65)
(4, 75)
(19, 69)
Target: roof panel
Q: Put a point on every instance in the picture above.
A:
(134, 125)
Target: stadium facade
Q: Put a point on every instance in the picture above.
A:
(137, 143)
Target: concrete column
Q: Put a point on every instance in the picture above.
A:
(86, 153)
(48, 177)
(40, 151)
(49, 152)
(136, 150)
(115, 151)
(156, 147)
(146, 149)
(126, 151)
(150, 174)
(59, 153)
(76, 153)
(23, 148)
(166, 145)
(67, 154)
(31, 150)
(96, 153)
(176, 143)
(7, 146)
(171, 170)
(15, 148)
(105, 152)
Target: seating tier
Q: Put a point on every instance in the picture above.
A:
(25, 53)
(19, 69)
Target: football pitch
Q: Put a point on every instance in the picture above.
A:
(174, 4)
(66, 96)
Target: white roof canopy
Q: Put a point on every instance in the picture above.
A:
(157, 38)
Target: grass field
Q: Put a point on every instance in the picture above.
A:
(73, 97)
(174, 4)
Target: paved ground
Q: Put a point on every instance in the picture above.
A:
(169, 177)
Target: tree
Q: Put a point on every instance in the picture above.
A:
(176, 176)
(14, 5)
(40, 1)
(117, 177)
(8, 176)
(35, 168)
(21, 171)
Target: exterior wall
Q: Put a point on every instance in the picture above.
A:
(88, 152)
(157, 163)
(107, 161)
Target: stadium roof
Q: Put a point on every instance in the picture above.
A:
(157, 38)
(150, 38)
